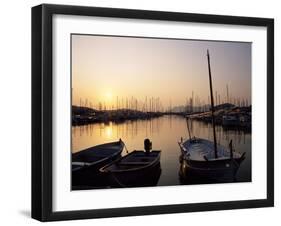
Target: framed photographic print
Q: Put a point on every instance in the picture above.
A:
(145, 112)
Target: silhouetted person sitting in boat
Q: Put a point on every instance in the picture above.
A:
(147, 146)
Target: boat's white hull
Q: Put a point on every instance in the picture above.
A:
(222, 169)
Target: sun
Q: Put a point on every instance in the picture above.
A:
(108, 96)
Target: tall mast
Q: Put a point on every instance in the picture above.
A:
(212, 105)
(227, 94)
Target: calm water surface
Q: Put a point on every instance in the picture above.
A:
(164, 132)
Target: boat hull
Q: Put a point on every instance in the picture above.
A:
(90, 175)
(212, 170)
(138, 178)
(93, 159)
(222, 171)
(137, 169)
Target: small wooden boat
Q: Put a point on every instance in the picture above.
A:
(207, 159)
(198, 156)
(138, 168)
(86, 163)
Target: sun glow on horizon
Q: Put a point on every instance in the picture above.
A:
(108, 95)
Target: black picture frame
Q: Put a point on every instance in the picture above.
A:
(42, 111)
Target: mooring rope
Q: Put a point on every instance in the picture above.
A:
(127, 151)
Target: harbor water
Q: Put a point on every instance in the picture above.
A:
(164, 132)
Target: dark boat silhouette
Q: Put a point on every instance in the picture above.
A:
(138, 168)
(86, 163)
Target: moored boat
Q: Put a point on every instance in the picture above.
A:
(230, 120)
(138, 168)
(207, 159)
(198, 156)
(86, 163)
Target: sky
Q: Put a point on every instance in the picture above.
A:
(104, 67)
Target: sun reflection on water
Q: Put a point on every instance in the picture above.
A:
(108, 131)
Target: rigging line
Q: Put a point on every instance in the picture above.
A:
(127, 151)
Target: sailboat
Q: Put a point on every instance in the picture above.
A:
(207, 159)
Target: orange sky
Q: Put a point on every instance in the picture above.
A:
(104, 67)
